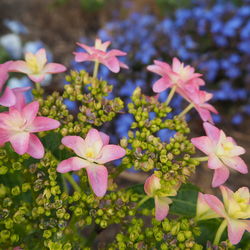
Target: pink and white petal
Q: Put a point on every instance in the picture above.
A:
(53, 68)
(236, 229)
(105, 138)
(35, 147)
(244, 193)
(220, 176)
(203, 210)
(20, 99)
(86, 47)
(210, 108)
(212, 132)
(41, 57)
(227, 195)
(76, 143)
(41, 123)
(37, 78)
(116, 52)
(8, 98)
(123, 65)
(20, 142)
(4, 136)
(20, 66)
(72, 164)
(93, 140)
(176, 64)
(205, 114)
(98, 179)
(82, 57)
(30, 111)
(214, 162)
(237, 150)
(203, 143)
(162, 84)
(215, 204)
(165, 66)
(235, 163)
(156, 69)
(110, 153)
(112, 64)
(161, 207)
(152, 183)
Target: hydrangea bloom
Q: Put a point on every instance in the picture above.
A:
(152, 188)
(222, 151)
(7, 97)
(178, 75)
(235, 210)
(18, 125)
(98, 54)
(91, 154)
(199, 99)
(35, 66)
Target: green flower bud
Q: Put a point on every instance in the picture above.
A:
(15, 191)
(47, 234)
(4, 235)
(3, 170)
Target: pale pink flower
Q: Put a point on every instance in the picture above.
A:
(20, 98)
(98, 53)
(152, 187)
(199, 99)
(36, 66)
(235, 210)
(222, 151)
(178, 75)
(91, 153)
(7, 97)
(19, 125)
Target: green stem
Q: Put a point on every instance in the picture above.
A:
(170, 96)
(204, 158)
(72, 182)
(189, 107)
(96, 69)
(143, 201)
(219, 232)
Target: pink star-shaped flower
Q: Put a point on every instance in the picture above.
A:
(36, 66)
(92, 153)
(178, 75)
(222, 151)
(98, 53)
(235, 210)
(19, 125)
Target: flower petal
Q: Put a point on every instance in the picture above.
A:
(74, 142)
(82, 57)
(110, 153)
(4, 136)
(227, 195)
(161, 207)
(236, 229)
(212, 132)
(20, 66)
(8, 98)
(105, 138)
(203, 143)
(214, 162)
(72, 164)
(20, 142)
(52, 68)
(37, 78)
(220, 176)
(93, 140)
(161, 85)
(30, 111)
(236, 163)
(41, 57)
(35, 147)
(215, 204)
(41, 123)
(98, 178)
(152, 183)
(112, 64)
(20, 98)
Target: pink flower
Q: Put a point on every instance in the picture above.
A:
(18, 125)
(178, 75)
(91, 153)
(7, 97)
(222, 151)
(20, 98)
(98, 53)
(235, 210)
(35, 66)
(199, 99)
(152, 187)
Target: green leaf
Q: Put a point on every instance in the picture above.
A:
(184, 203)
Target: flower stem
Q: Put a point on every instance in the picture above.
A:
(170, 96)
(143, 200)
(72, 182)
(219, 232)
(204, 158)
(96, 69)
(189, 107)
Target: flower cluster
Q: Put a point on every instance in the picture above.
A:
(46, 193)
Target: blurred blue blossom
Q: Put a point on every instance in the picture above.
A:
(15, 26)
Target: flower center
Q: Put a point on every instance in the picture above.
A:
(90, 153)
(33, 65)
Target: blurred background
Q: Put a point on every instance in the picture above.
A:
(211, 35)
